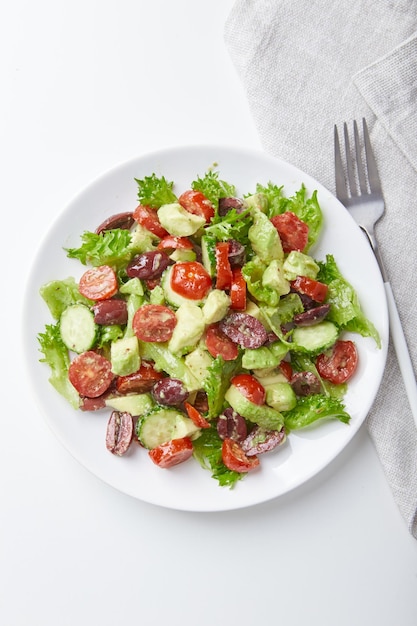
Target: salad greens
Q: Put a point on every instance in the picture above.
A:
(244, 329)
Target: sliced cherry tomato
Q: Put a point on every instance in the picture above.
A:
(90, 374)
(235, 459)
(293, 232)
(223, 270)
(148, 218)
(250, 388)
(174, 243)
(98, 283)
(196, 202)
(338, 365)
(172, 452)
(312, 288)
(238, 290)
(141, 381)
(194, 415)
(154, 322)
(286, 369)
(190, 280)
(218, 344)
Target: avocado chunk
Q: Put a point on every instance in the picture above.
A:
(135, 403)
(265, 239)
(274, 277)
(299, 264)
(188, 330)
(263, 415)
(124, 356)
(281, 396)
(179, 222)
(198, 361)
(216, 306)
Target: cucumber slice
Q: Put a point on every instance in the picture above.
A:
(208, 254)
(162, 425)
(78, 328)
(316, 338)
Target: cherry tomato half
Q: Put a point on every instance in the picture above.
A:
(148, 218)
(235, 459)
(286, 369)
(154, 322)
(340, 364)
(250, 388)
(238, 290)
(141, 381)
(194, 415)
(223, 270)
(190, 280)
(172, 452)
(170, 242)
(196, 202)
(312, 288)
(98, 283)
(90, 374)
(218, 344)
(293, 232)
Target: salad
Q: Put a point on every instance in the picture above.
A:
(204, 325)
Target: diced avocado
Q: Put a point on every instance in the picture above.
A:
(265, 239)
(257, 201)
(134, 301)
(281, 396)
(173, 298)
(216, 306)
(162, 425)
(157, 295)
(189, 328)
(274, 277)
(77, 328)
(315, 338)
(134, 285)
(124, 356)
(142, 239)
(264, 357)
(299, 264)
(172, 364)
(179, 222)
(253, 309)
(270, 376)
(264, 415)
(183, 255)
(198, 361)
(136, 403)
(208, 254)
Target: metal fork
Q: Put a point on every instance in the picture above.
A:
(361, 193)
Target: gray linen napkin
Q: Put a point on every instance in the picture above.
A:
(307, 65)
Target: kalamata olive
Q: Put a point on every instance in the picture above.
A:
(260, 440)
(120, 220)
(148, 265)
(119, 432)
(237, 253)
(201, 401)
(244, 329)
(305, 383)
(169, 391)
(312, 316)
(225, 204)
(231, 425)
(108, 312)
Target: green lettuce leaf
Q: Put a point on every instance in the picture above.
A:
(310, 409)
(60, 294)
(217, 382)
(213, 188)
(155, 191)
(208, 452)
(110, 247)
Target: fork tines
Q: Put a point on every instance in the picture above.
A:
(362, 179)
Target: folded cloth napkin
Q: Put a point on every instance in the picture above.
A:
(306, 66)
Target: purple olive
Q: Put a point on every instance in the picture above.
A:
(231, 425)
(169, 391)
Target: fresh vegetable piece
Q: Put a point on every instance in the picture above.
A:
(98, 283)
(310, 409)
(171, 243)
(212, 187)
(195, 415)
(78, 328)
(208, 452)
(338, 364)
(224, 274)
(260, 414)
(172, 452)
(217, 382)
(147, 217)
(154, 323)
(313, 288)
(111, 247)
(253, 272)
(235, 459)
(234, 225)
(309, 211)
(55, 354)
(190, 280)
(286, 369)
(196, 202)
(155, 191)
(238, 290)
(250, 387)
(272, 196)
(141, 381)
(172, 364)
(219, 344)
(163, 424)
(91, 374)
(293, 232)
(60, 294)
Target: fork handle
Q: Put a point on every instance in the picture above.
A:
(401, 349)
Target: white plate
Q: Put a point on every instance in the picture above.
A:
(188, 486)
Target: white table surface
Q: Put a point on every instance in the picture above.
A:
(86, 85)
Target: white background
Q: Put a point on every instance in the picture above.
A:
(86, 85)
